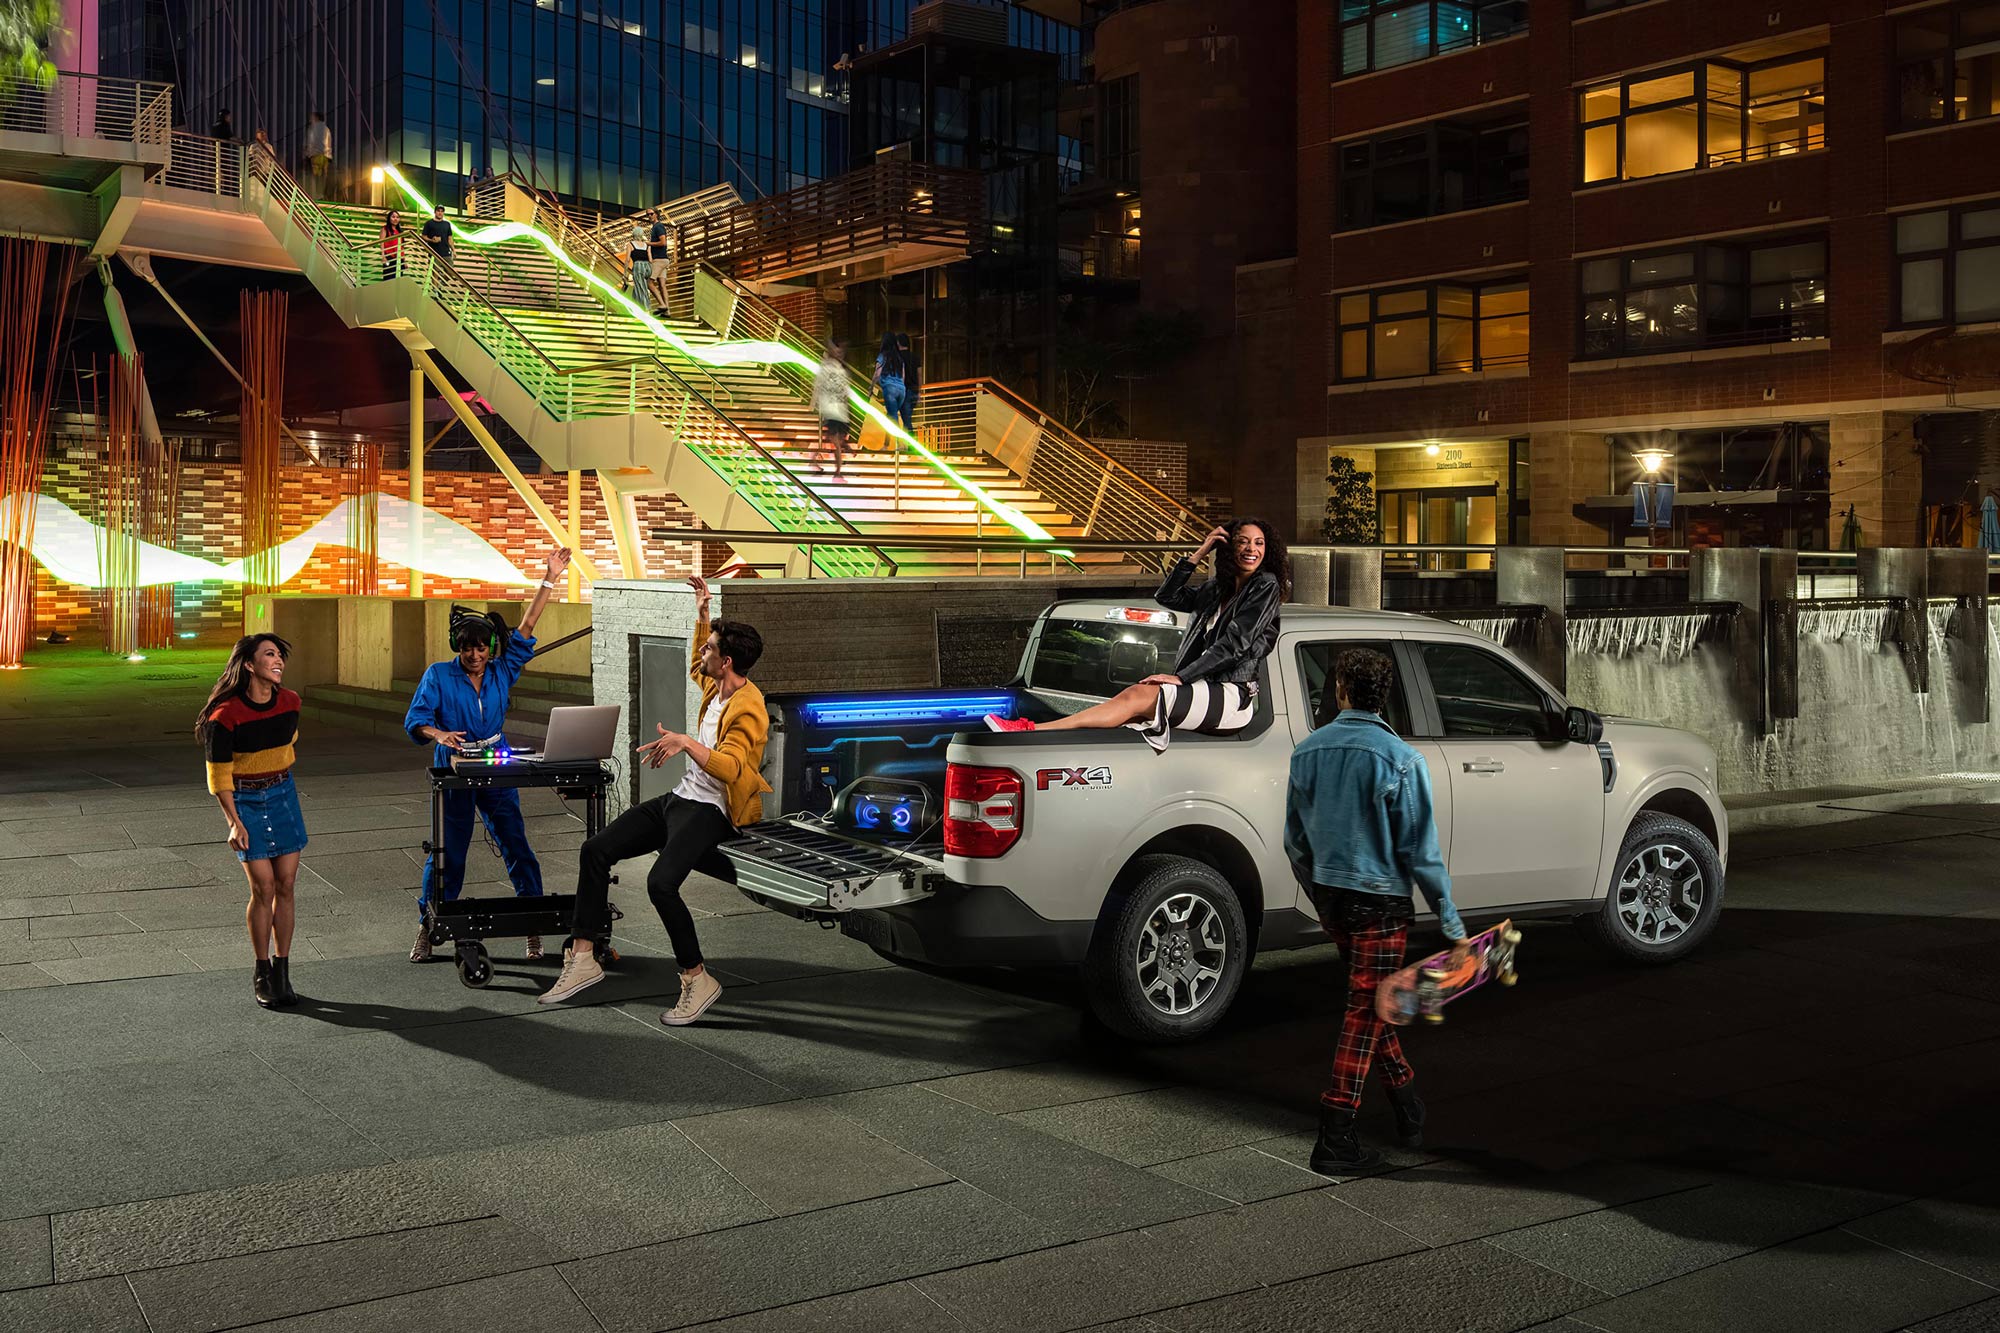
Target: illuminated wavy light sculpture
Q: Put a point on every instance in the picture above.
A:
(68, 546)
(721, 354)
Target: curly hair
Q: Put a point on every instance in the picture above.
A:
(740, 643)
(1366, 676)
(1277, 560)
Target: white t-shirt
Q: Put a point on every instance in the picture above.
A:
(698, 785)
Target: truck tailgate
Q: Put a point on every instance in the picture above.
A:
(800, 867)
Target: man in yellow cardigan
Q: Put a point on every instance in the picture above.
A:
(723, 791)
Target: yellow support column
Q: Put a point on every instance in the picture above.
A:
(575, 532)
(624, 527)
(543, 514)
(416, 480)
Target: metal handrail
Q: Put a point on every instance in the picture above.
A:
(91, 106)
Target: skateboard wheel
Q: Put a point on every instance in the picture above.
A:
(1434, 1019)
(1507, 978)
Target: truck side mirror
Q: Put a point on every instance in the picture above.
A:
(1582, 726)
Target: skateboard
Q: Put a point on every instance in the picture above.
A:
(1425, 987)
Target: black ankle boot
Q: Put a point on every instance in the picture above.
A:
(281, 981)
(1409, 1109)
(261, 987)
(1338, 1152)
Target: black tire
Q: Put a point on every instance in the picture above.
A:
(1665, 893)
(1115, 974)
(475, 969)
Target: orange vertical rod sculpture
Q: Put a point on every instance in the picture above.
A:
(363, 478)
(263, 400)
(35, 286)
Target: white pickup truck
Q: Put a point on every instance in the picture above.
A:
(937, 842)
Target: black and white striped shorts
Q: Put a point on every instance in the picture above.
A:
(1213, 706)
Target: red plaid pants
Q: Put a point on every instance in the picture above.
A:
(1372, 952)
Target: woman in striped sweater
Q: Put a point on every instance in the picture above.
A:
(248, 729)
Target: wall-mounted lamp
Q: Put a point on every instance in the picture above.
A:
(1652, 460)
(1431, 451)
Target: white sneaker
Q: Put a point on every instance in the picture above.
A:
(579, 972)
(697, 993)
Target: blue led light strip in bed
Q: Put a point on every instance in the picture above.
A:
(921, 708)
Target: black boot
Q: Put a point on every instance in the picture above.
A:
(261, 987)
(1409, 1109)
(1338, 1152)
(281, 981)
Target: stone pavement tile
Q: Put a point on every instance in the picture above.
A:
(158, 942)
(37, 805)
(224, 1293)
(1832, 1282)
(143, 867)
(797, 1156)
(24, 1253)
(245, 1219)
(898, 1307)
(1242, 1175)
(177, 1126)
(1620, 1250)
(828, 1034)
(1815, 841)
(1030, 1087)
(1445, 1202)
(1981, 1318)
(1146, 1128)
(1731, 1064)
(1469, 1288)
(49, 837)
(17, 908)
(1137, 1272)
(93, 923)
(1958, 1236)
(44, 877)
(704, 893)
(25, 950)
(1297, 1149)
(24, 976)
(1077, 1192)
(592, 1193)
(480, 1306)
(514, 1079)
(104, 1306)
(792, 1259)
(384, 869)
(118, 967)
(764, 946)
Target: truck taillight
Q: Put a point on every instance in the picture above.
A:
(982, 810)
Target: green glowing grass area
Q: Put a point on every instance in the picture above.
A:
(717, 354)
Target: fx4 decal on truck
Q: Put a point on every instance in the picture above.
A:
(1072, 777)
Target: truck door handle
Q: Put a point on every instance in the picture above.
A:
(1485, 766)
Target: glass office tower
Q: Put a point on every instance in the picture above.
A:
(614, 103)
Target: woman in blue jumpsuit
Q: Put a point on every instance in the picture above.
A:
(463, 701)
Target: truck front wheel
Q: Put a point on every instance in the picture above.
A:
(1169, 956)
(1665, 895)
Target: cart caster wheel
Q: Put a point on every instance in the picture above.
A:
(475, 969)
(610, 954)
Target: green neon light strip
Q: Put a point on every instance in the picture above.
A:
(722, 354)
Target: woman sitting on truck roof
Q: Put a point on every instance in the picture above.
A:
(1213, 686)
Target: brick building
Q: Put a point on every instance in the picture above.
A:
(1544, 245)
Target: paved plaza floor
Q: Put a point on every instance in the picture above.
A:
(1791, 1131)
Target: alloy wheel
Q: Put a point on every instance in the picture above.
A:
(1181, 954)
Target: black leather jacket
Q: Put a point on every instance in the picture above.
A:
(1234, 649)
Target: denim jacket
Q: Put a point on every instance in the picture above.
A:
(1358, 815)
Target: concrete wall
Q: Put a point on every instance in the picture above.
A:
(372, 642)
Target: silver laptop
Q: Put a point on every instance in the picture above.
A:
(580, 734)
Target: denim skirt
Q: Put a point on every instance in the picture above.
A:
(272, 817)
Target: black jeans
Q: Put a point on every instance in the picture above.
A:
(686, 834)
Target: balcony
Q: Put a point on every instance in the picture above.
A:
(890, 217)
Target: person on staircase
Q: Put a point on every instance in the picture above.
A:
(895, 378)
(641, 255)
(661, 241)
(723, 791)
(829, 396)
(437, 233)
(392, 245)
(1232, 628)
(461, 703)
(319, 155)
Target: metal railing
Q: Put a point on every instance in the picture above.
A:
(212, 166)
(90, 106)
(349, 239)
(888, 203)
(1102, 495)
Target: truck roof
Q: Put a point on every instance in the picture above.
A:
(1295, 615)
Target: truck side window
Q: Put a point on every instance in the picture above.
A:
(1316, 667)
(1479, 695)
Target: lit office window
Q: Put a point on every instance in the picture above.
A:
(1948, 63)
(1948, 265)
(1381, 34)
(1439, 328)
(1707, 114)
(1709, 295)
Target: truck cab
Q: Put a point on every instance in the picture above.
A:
(1161, 875)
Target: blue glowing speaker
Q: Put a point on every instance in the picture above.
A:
(884, 808)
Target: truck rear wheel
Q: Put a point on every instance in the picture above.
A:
(1168, 958)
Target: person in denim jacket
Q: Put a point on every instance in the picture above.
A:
(1359, 831)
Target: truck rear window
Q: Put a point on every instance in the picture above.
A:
(1100, 657)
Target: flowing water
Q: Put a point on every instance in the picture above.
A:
(1503, 630)
(1860, 717)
